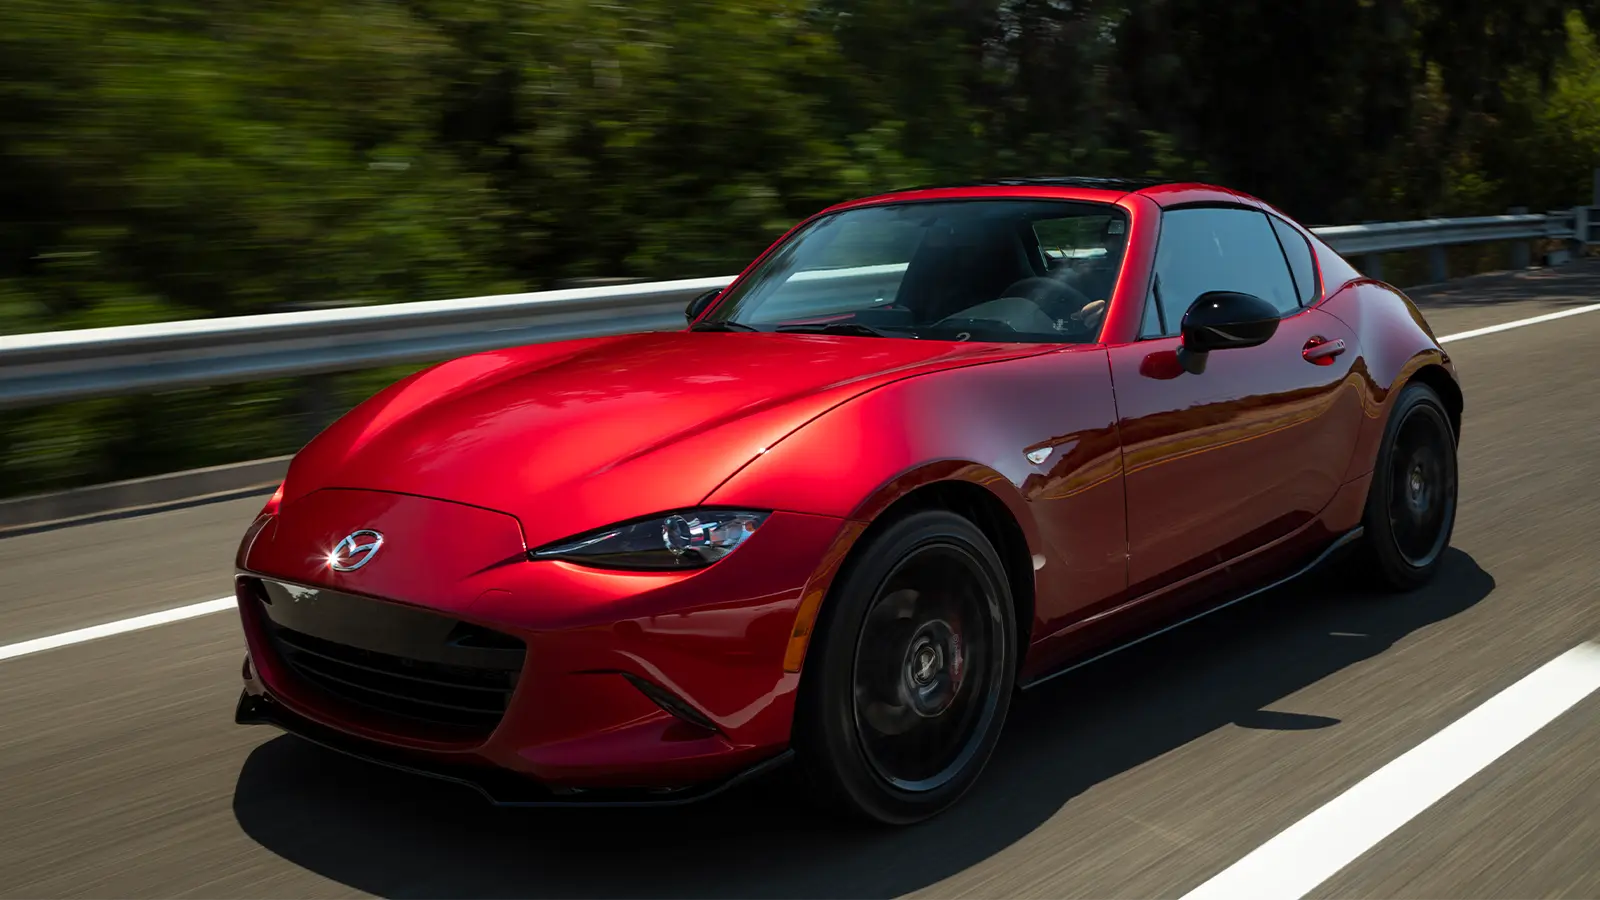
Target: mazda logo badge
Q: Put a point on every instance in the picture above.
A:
(356, 550)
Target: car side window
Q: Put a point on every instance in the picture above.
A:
(1205, 249)
(1298, 250)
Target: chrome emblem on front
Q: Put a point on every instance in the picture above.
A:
(356, 550)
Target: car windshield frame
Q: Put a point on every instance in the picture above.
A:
(1021, 290)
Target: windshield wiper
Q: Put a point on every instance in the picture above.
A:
(721, 326)
(834, 328)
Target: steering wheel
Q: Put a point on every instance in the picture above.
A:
(1056, 299)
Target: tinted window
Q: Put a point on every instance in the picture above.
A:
(1299, 253)
(1204, 250)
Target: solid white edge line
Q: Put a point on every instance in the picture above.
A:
(24, 648)
(122, 626)
(1520, 323)
(1312, 850)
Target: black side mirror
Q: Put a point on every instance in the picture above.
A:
(1224, 320)
(698, 305)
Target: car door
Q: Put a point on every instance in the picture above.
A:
(1230, 460)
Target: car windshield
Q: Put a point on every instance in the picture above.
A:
(970, 270)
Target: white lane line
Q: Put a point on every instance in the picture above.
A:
(1313, 849)
(122, 626)
(1520, 323)
(199, 609)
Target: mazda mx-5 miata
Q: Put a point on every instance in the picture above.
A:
(931, 448)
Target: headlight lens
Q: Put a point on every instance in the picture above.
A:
(682, 540)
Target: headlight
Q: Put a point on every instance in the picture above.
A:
(682, 540)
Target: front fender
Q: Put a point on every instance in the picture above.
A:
(975, 424)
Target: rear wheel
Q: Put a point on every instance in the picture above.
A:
(1411, 505)
(910, 679)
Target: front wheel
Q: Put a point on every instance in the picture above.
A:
(1411, 505)
(907, 689)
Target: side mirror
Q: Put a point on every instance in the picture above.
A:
(698, 305)
(1224, 320)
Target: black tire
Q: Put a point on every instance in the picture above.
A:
(1411, 504)
(922, 614)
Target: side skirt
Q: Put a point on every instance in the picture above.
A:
(1333, 550)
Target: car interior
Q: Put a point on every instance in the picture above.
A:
(1034, 278)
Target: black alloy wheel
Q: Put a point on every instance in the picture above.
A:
(1411, 505)
(910, 676)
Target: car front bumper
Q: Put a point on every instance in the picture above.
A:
(612, 687)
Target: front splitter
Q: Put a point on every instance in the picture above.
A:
(498, 786)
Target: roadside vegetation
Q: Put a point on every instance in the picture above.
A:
(168, 159)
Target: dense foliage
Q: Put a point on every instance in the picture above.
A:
(164, 159)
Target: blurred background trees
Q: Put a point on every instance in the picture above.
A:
(164, 159)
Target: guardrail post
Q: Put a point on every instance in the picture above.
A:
(1372, 263)
(1521, 251)
(314, 407)
(312, 396)
(1559, 225)
(1438, 265)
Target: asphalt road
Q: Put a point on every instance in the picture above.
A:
(1142, 776)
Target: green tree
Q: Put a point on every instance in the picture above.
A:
(164, 159)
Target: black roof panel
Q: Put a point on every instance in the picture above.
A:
(1109, 183)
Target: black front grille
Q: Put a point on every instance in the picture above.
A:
(448, 695)
(395, 660)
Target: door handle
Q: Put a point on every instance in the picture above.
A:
(1320, 351)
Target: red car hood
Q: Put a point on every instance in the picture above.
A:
(576, 435)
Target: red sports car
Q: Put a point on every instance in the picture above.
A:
(932, 447)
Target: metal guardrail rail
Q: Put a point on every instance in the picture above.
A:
(56, 366)
(50, 367)
(1390, 237)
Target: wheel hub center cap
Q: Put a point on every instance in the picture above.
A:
(931, 672)
(1417, 488)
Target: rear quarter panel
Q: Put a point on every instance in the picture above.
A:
(1396, 342)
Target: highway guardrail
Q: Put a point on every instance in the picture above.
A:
(51, 367)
